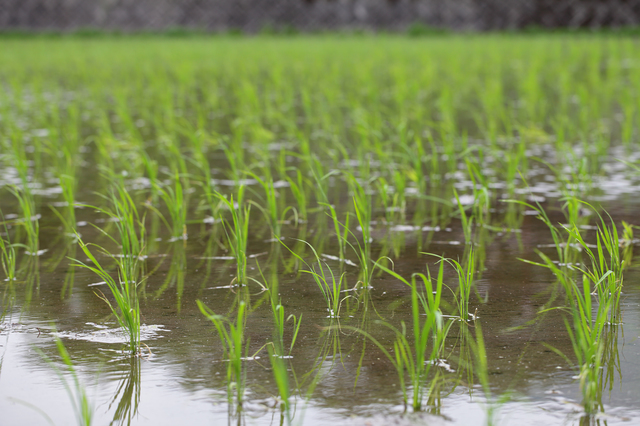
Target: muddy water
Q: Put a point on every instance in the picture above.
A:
(180, 379)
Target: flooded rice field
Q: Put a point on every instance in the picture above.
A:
(361, 230)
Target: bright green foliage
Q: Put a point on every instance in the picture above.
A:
(131, 240)
(238, 234)
(415, 355)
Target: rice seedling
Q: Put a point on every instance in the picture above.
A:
(176, 275)
(271, 209)
(330, 285)
(129, 269)
(123, 290)
(176, 202)
(606, 272)
(467, 222)
(466, 274)
(8, 253)
(278, 315)
(626, 243)
(238, 234)
(587, 338)
(235, 349)
(30, 220)
(411, 355)
(298, 188)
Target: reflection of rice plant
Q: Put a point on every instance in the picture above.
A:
(82, 407)
(281, 377)
(234, 347)
(175, 200)
(480, 369)
(411, 355)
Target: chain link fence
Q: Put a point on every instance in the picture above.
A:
(312, 15)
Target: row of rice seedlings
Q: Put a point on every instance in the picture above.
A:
(507, 78)
(587, 323)
(130, 270)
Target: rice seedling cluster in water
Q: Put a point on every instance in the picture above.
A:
(322, 227)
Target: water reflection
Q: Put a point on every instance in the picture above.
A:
(127, 396)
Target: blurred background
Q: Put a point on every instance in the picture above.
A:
(253, 16)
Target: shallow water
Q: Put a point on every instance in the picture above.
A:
(181, 375)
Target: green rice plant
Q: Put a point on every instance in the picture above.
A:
(587, 338)
(176, 275)
(466, 272)
(238, 234)
(271, 209)
(416, 355)
(298, 189)
(340, 234)
(586, 331)
(606, 272)
(329, 284)
(176, 203)
(8, 253)
(123, 290)
(481, 196)
(130, 271)
(30, 220)
(232, 339)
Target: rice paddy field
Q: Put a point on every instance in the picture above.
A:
(361, 230)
